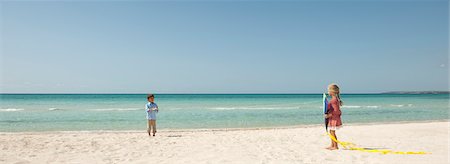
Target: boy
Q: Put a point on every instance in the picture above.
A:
(151, 109)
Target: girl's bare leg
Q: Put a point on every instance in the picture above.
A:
(333, 144)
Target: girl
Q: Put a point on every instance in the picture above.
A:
(334, 113)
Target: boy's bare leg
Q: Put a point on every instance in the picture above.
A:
(153, 127)
(149, 125)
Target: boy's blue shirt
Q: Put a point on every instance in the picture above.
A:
(151, 109)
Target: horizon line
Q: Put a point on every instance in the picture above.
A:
(274, 93)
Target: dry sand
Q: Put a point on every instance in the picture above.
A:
(268, 145)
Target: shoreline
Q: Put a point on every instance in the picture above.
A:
(227, 129)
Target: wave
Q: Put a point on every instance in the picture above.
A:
(351, 106)
(11, 110)
(357, 106)
(401, 105)
(117, 109)
(374, 106)
(253, 108)
(53, 109)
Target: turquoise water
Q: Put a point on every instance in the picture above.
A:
(55, 112)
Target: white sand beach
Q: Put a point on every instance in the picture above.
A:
(268, 145)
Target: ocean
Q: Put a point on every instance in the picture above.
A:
(87, 112)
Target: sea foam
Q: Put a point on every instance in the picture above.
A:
(117, 109)
(11, 110)
(253, 108)
(357, 106)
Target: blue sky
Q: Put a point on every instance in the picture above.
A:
(223, 46)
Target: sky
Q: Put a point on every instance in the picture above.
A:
(223, 46)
